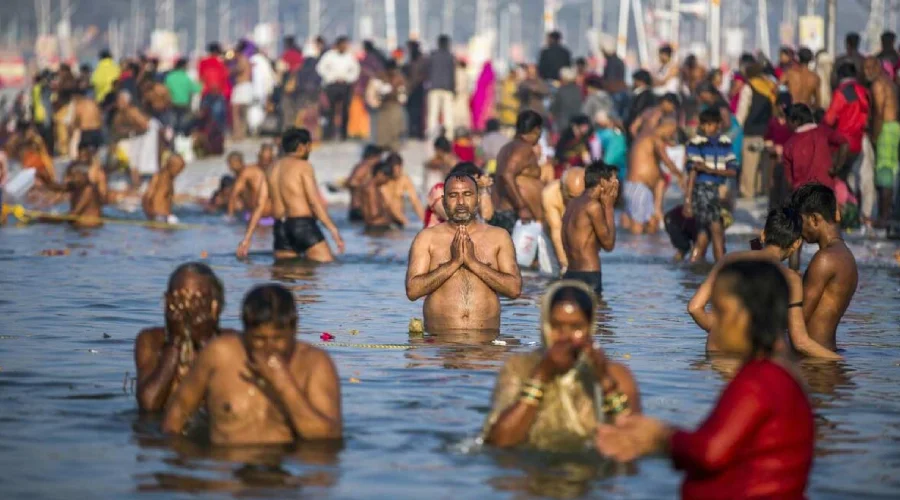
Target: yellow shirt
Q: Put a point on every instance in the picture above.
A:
(104, 78)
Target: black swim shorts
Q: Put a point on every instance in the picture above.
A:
(91, 139)
(504, 218)
(593, 279)
(356, 215)
(297, 234)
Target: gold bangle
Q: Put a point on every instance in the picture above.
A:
(537, 384)
(615, 404)
(533, 392)
(529, 400)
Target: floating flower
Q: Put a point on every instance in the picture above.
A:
(326, 337)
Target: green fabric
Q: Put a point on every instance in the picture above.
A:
(887, 155)
(181, 87)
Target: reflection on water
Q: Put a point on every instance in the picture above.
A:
(70, 427)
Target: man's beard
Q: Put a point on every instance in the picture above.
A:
(462, 217)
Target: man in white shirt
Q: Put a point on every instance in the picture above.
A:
(339, 70)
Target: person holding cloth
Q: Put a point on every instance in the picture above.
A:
(710, 161)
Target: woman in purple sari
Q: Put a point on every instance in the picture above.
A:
(482, 103)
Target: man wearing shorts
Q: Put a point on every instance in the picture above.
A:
(885, 135)
(644, 184)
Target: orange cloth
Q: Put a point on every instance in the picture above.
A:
(358, 123)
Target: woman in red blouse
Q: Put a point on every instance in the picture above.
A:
(758, 440)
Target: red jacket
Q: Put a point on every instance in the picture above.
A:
(214, 76)
(757, 442)
(807, 155)
(849, 112)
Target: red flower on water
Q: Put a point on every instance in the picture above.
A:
(326, 337)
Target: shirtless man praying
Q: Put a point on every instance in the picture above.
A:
(555, 198)
(644, 185)
(802, 82)
(885, 133)
(589, 224)
(832, 276)
(157, 200)
(517, 194)
(163, 355)
(296, 205)
(261, 387)
(462, 265)
(249, 182)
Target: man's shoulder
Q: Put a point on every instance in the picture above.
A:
(225, 346)
(152, 335)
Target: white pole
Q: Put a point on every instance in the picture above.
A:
(503, 36)
(390, 14)
(315, 12)
(200, 33)
(715, 33)
(643, 51)
(676, 25)
(549, 16)
(415, 20)
(622, 41)
(597, 16)
(224, 21)
(832, 28)
(810, 7)
(448, 18)
(762, 18)
(515, 24)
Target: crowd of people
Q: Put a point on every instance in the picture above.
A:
(533, 181)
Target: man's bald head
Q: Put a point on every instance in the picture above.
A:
(572, 183)
(666, 128)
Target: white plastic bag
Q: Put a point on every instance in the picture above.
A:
(184, 146)
(525, 239)
(548, 263)
(255, 117)
(19, 184)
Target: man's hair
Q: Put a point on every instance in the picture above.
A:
(852, 41)
(785, 50)
(888, 38)
(235, 154)
(459, 175)
(269, 305)
(580, 61)
(341, 39)
(443, 42)
(813, 199)
(492, 125)
(710, 115)
(707, 87)
(754, 69)
(597, 171)
(665, 49)
(800, 114)
(290, 41)
(642, 76)
(200, 270)
(181, 63)
(762, 289)
(294, 138)
(214, 48)
(383, 167)
(671, 97)
(804, 55)
(105, 54)
(371, 151)
(555, 36)
(594, 82)
(394, 159)
(783, 226)
(846, 70)
(468, 168)
(579, 120)
(527, 121)
(443, 144)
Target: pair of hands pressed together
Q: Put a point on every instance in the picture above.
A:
(462, 249)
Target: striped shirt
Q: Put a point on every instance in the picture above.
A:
(714, 153)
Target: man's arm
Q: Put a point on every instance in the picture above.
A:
(146, 200)
(237, 191)
(663, 155)
(155, 372)
(100, 182)
(315, 414)
(517, 162)
(506, 280)
(818, 274)
(192, 390)
(553, 218)
(603, 220)
(419, 281)
(835, 110)
(697, 305)
(744, 100)
(311, 187)
(261, 199)
(800, 338)
(689, 192)
(414, 198)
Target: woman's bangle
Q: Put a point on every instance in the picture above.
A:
(615, 404)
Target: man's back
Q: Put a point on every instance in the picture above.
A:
(442, 70)
(834, 274)
(802, 83)
(287, 190)
(579, 237)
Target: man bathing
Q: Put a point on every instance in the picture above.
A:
(589, 224)
(885, 133)
(517, 195)
(434, 211)
(802, 82)
(461, 266)
(87, 120)
(379, 214)
(296, 205)
(157, 200)
(781, 239)
(400, 186)
(644, 184)
(248, 184)
(263, 386)
(832, 276)
(359, 177)
(554, 199)
(163, 355)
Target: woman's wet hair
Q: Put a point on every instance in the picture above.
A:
(269, 305)
(763, 291)
(813, 199)
(527, 121)
(578, 296)
(783, 226)
(199, 269)
(598, 171)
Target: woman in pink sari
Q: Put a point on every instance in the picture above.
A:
(482, 103)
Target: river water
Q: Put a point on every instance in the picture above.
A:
(70, 427)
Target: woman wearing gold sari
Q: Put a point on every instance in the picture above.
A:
(551, 399)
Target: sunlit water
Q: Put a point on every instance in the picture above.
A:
(70, 427)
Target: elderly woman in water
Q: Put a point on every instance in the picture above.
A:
(553, 399)
(758, 440)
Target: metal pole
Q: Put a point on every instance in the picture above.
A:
(762, 18)
(715, 33)
(597, 16)
(390, 14)
(622, 41)
(200, 33)
(415, 20)
(676, 24)
(448, 18)
(549, 16)
(831, 14)
(643, 51)
(315, 13)
(224, 21)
